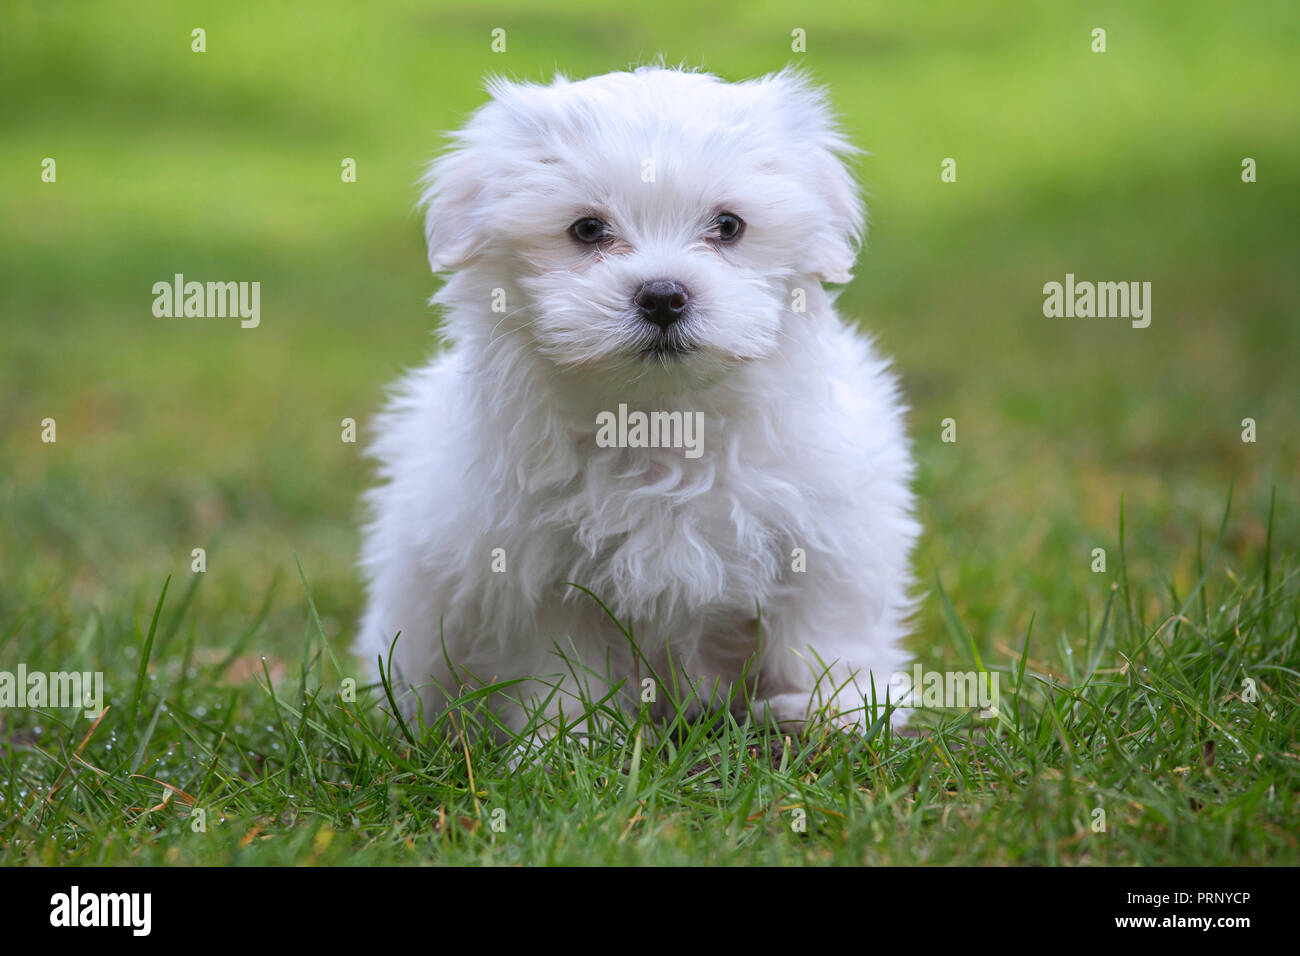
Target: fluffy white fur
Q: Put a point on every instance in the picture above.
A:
(492, 444)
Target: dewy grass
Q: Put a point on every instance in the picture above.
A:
(1140, 741)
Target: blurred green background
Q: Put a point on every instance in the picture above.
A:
(183, 433)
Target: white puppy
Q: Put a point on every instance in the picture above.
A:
(632, 244)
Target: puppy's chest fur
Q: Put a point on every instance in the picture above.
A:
(658, 536)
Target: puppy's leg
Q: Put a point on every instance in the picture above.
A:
(829, 669)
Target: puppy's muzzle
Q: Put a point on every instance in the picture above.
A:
(662, 301)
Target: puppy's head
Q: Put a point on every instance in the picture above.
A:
(654, 223)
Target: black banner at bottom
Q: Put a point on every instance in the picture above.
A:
(305, 905)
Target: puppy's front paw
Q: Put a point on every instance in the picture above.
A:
(801, 712)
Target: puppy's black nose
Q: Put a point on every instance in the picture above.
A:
(662, 301)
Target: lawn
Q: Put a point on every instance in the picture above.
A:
(1161, 690)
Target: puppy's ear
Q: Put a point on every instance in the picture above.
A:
(481, 164)
(822, 153)
(455, 184)
(452, 191)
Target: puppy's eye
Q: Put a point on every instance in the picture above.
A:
(589, 230)
(728, 227)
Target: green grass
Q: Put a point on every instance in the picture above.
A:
(180, 434)
(1180, 730)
